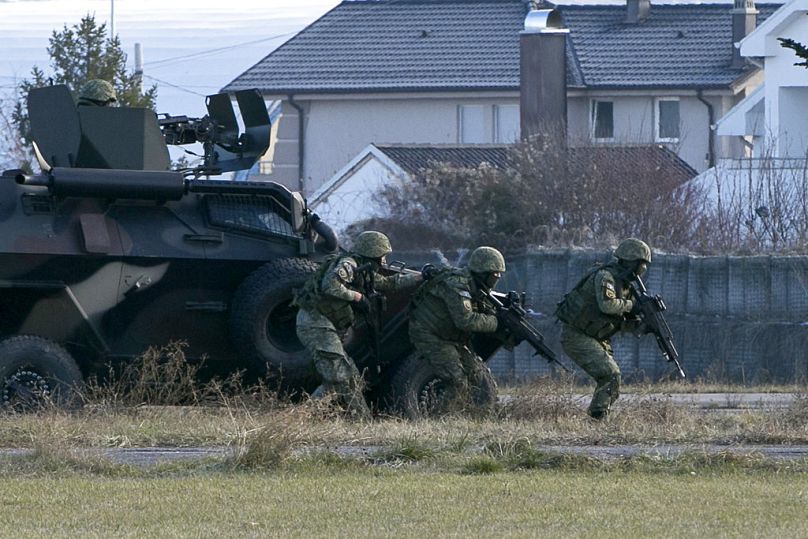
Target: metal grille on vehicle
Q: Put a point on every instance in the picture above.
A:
(257, 215)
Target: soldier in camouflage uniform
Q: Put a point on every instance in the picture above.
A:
(600, 305)
(97, 93)
(444, 313)
(327, 303)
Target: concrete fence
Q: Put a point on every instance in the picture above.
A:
(734, 319)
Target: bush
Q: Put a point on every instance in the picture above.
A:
(546, 195)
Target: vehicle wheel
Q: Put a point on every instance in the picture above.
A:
(36, 372)
(263, 321)
(416, 391)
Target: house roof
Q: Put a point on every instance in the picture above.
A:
(414, 158)
(443, 45)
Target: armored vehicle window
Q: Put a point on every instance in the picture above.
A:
(257, 215)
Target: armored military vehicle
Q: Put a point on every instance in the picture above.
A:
(108, 252)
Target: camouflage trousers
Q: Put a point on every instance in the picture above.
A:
(337, 371)
(454, 363)
(596, 358)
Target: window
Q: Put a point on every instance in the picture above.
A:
(667, 125)
(506, 119)
(471, 128)
(602, 120)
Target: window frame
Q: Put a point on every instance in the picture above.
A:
(593, 120)
(658, 119)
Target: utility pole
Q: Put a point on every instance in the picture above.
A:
(139, 67)
(112, 19)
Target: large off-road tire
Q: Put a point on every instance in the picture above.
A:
(36, 373)
(416, 391)
(263, 322)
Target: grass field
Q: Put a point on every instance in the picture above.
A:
(364, 502)
(462, 475)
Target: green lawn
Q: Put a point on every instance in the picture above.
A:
(368, 502)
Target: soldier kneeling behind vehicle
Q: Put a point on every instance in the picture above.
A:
(445, 312)
(327, 305)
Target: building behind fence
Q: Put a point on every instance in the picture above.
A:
(734, 319)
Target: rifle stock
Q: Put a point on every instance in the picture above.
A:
(513, 315)
(651, 309)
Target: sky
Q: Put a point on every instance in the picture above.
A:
(191, 48)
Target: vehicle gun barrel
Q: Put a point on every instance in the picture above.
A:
(106, 183)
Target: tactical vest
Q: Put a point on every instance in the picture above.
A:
(311, 297)
(580, 309)
(429, 311)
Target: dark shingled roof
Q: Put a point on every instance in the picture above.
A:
(414, 158)
(441, 45)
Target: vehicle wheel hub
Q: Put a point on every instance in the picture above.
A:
(24, 390)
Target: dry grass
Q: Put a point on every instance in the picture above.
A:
(266, 431)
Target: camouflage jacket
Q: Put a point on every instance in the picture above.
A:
(598, 304)
(333, 288)
(451, 307)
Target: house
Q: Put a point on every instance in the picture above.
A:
(448, 72)
(773, 120)
(351, 194)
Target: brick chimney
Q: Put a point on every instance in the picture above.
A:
(637, 11)
(744, 20)
(543, 74)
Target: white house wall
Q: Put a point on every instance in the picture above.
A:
(336, 130)
(634, 118)
(355, 199)
(786, 102)
(785, 129)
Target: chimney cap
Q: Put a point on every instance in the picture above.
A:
(544, 21)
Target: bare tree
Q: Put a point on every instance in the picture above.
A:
(549, 195)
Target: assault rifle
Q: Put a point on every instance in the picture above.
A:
(513, 316)
(377, 304)
(651, 308)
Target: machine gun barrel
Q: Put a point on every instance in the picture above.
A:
(651, 309)
(514, 316)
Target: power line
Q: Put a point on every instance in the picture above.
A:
(182, 88)
(168, 61)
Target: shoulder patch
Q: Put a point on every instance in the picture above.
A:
(465, 293)
(608, 290)
(345, 270)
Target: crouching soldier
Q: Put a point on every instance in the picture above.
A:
(327, 305)
(444, 314)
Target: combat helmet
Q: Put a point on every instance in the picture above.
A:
(97, 92)
(485, 260)
(633, 249)
(372, 244)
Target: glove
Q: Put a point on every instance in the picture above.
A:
(363, 305)
(635, 309)
(502, 316)
(428, 271)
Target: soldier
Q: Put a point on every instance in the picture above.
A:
(444, 313)
(98, 93)
(600, 305)
(327, 303)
